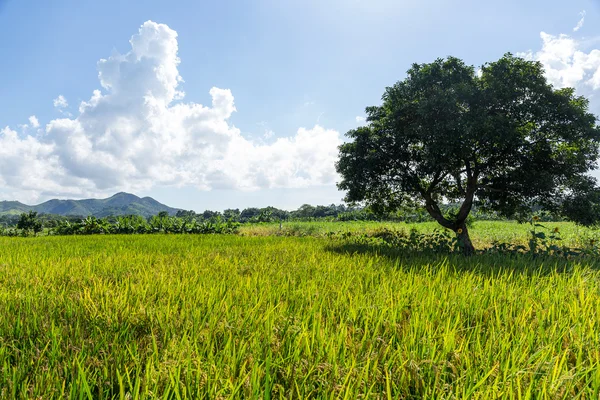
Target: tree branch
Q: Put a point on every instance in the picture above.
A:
(458, 180)
(468, 169)
(491, 189)
(434, 210)
(467, 204)
(437, 178)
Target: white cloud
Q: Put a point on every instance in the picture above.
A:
(26, 164)
(60, 102)
(132, 136)
(268, 134)
(570, 62)
(34, 121)
(580, 23)
(360, 119)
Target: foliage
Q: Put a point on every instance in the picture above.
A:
(9, 220)
(504, 139)
(538, 241)
(545, 241)
(439, 241)
(162, 223)
(10, 232)
(340, 213)
(29, 223)
(231, 215)
(188, 214)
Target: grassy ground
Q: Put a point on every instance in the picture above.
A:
(483, 233)
(168, 316)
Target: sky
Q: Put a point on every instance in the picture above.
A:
(235, 104)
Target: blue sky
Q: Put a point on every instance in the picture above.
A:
(283, 65)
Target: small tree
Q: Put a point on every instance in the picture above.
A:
(248, 213)
(187, 214)
(29, 222)
(210, 215)
(503, 138)
(231, 214)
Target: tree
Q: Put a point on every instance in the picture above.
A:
(211, 215)
(275, 213)
(231, 214)
(187, 214)
(30, 222)
(305, 211)
(503, 138)
(249, 213)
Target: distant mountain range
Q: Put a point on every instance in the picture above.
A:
(119, 204)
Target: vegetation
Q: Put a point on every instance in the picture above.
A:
(226, 316)
(29, 222)
(504, 138)
(188, 221)
(161, 223)
(305, 212)
(307, 220)
(542, 242)
(125, 204)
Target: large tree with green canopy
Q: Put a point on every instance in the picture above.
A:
(501, 137)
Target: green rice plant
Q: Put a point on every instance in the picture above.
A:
(228, 316)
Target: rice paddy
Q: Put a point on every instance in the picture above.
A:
(262, 316)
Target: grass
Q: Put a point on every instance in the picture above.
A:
(175, 316)
(483, 233)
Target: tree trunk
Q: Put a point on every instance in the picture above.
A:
(458, 225)
(464, 240)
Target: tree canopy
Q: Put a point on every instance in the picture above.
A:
(30, 222)
(502, 137)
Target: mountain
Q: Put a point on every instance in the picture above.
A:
(13, 207)
(119, 204)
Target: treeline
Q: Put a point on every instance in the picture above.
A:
(306, 212)
(47, 220)
(31, 224)
(249, 215)
(208, 221)
(332, 212)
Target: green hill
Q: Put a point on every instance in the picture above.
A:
(119, 204)
(13, 207)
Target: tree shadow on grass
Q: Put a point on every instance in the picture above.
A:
(489, 264)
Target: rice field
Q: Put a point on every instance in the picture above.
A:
(483, 233)
(262, 316)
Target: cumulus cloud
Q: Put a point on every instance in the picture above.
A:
(360, 119)
(580, 23)
(132, 135)
(27, 164)
(33, 121)
(566, 64)
(268, 134)
(570, 62)
(60, 102)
